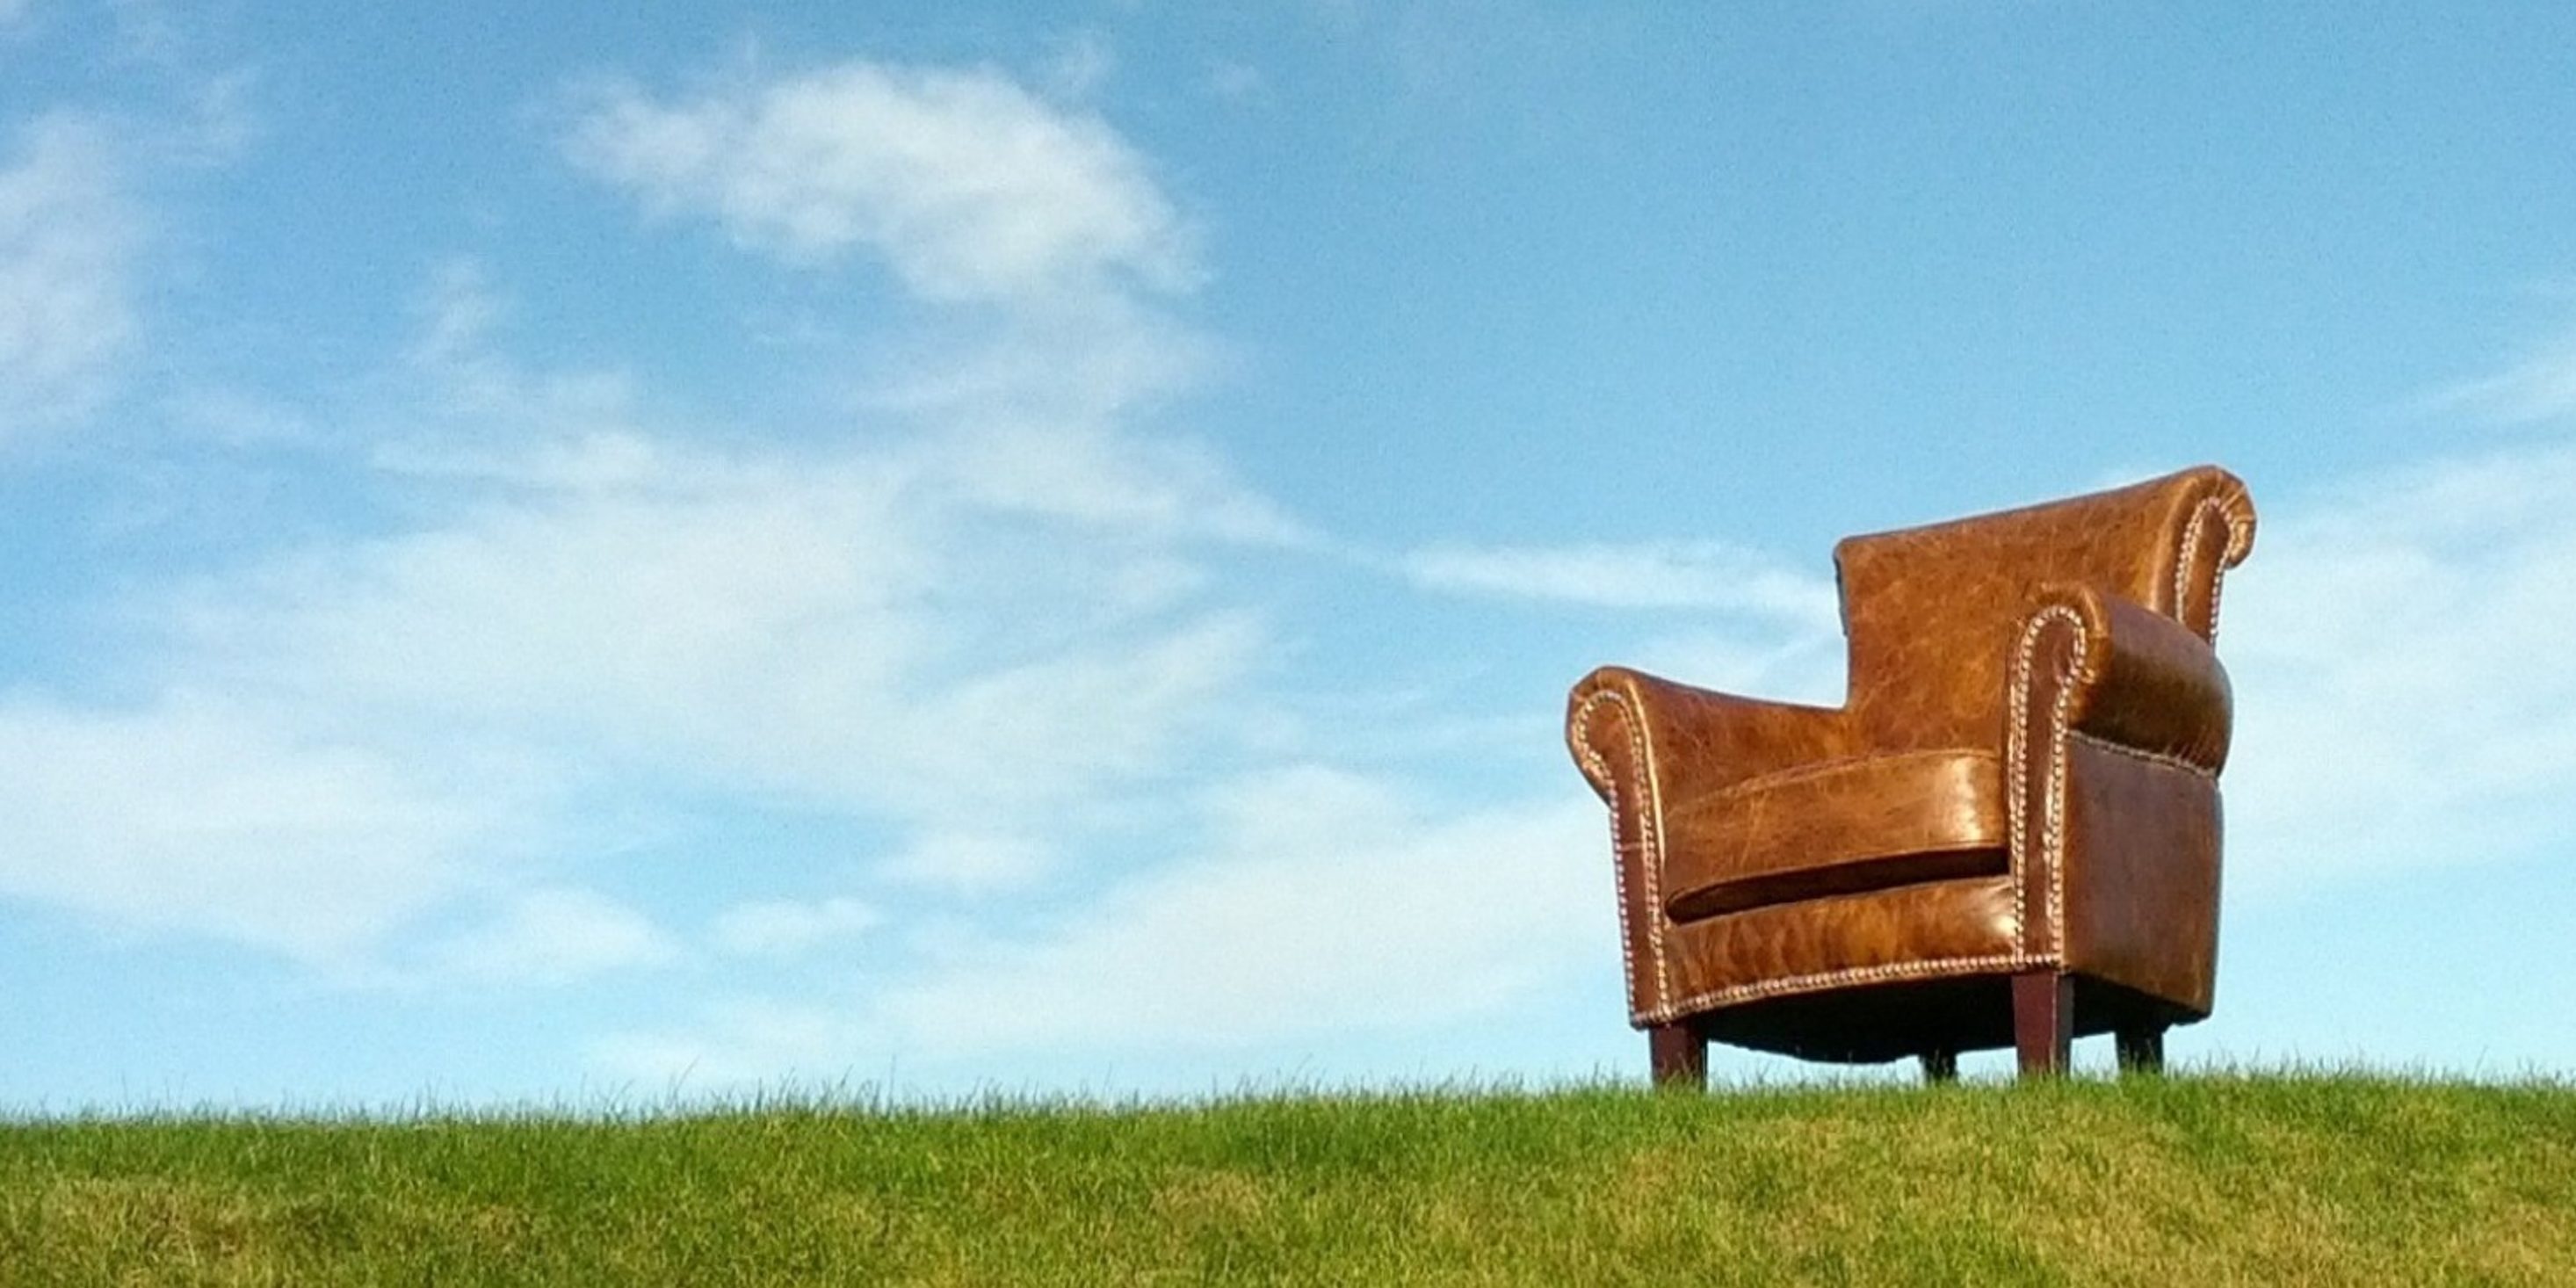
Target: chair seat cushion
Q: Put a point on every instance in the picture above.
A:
(1842, 827)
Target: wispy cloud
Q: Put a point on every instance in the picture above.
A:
(972, 634)
(551, 935)
(598, 611)
(970, 187)
(1319, 902)
(993, 617)
(2395, 646)
(196, 815)
(70, 234)
(842, 630)
(1322, 901)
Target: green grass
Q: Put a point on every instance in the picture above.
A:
(2315, 1179)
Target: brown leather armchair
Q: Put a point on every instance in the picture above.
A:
(2008, 834)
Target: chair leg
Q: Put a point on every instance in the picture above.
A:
(1680, 1057)
(2043, 1021)
(1940, 1066)
(2142, 1048)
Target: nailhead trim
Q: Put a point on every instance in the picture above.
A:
(1580, 724)
(2052, 837)
(1650, 849)
(1848, 975)
(2239, 533)
(2191, 530)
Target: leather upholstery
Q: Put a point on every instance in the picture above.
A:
(1837, 827)
(2023, 776)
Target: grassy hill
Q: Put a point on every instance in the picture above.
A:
(2200, 1180)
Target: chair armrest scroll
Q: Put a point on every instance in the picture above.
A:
(2134, 678)
(1687, 740)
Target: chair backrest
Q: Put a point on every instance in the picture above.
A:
(1932, 613)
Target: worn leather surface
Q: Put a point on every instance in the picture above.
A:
(2142, 859)
(1916, 930)
(1836, 827)
(1931, 612)
(2068, 642)
(1708, 739)
(2150, 683)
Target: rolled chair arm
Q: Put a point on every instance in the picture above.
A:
(1644, 742)
(2132, 677)
(1688, 741)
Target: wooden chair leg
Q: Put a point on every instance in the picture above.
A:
(1680, 1057)
(2043, 1021)
(1940, 1066)
(2142, 1048)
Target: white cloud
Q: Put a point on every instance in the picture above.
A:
(994, 626)
(1322, 903)
(784, 927)
(69, 236)
(889, 630)
(823, 635)
(1668, 575)
(202, 816)
(926, 629)
(2398, 645)
(973, 190)
(970, 187)
(552, 935)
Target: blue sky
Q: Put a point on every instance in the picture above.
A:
(1041, 548)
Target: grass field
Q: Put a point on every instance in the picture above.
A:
(2318, 1179)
